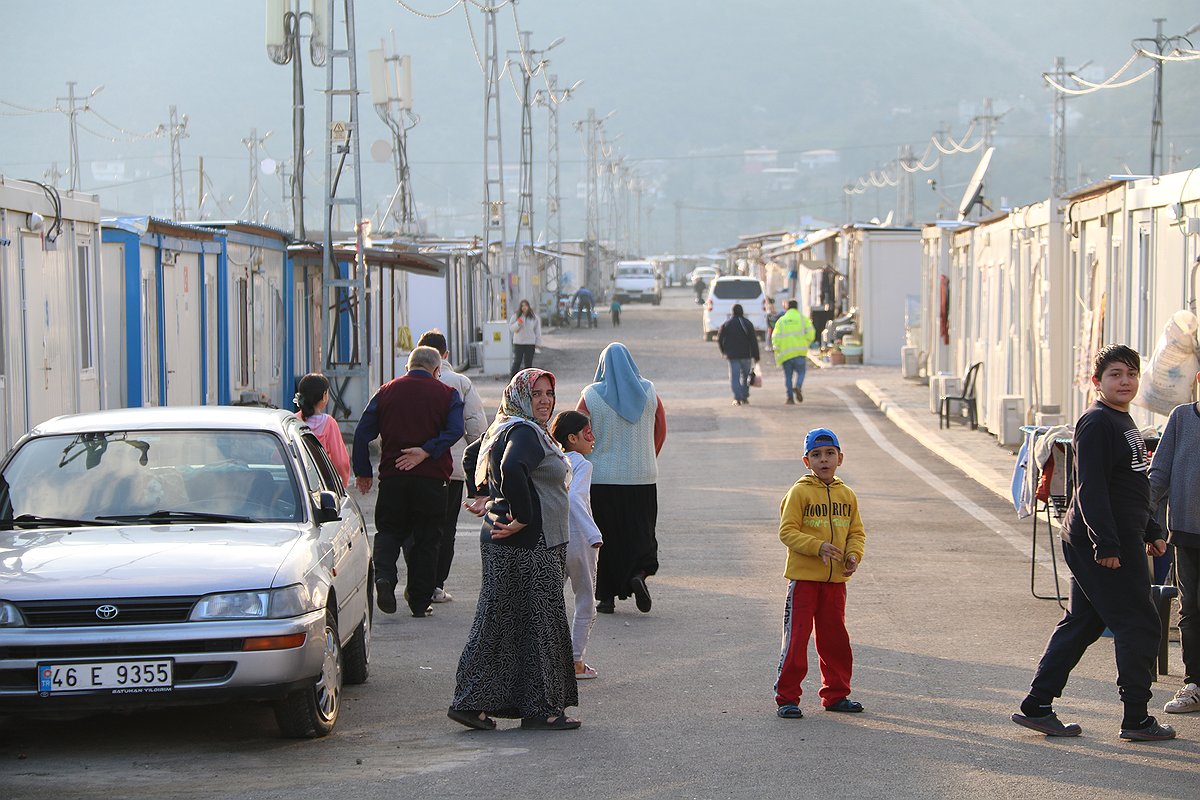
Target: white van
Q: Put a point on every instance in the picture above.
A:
(729, 290)
(636, 280)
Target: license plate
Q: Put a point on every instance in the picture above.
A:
(117, 676)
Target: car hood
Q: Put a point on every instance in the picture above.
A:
(142, 560)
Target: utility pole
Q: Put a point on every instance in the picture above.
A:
(253, 142)
(848, 203)
(494, 226)
(52, 175)
(678, 228)
(989, 121)
(72, 112)
(592, 201)
(178, 132)
(391, 94)
(552, 99)
(1058, 133)
(345, 288)
(905, 200)
(283, 47)
(1160, 44)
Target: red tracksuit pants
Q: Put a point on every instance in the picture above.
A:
(820, 606)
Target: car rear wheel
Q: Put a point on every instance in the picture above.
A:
(312, 712)
(357, 653)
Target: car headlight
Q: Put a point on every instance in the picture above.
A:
(289, 601)
(10, 616)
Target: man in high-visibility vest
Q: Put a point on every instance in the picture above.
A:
(791, 337)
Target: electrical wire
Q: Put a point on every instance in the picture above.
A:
(474, 43)
(1178, 54)
(27, 109)
(426, 14)
(1108, 83)
(55, 200)
(157, 132)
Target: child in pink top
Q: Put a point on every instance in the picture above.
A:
(312, 395)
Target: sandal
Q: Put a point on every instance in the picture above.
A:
(789, 711)
(587, 673)
(479, 720)
(559, 722)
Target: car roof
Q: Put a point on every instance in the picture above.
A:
(731, 278)
(169, 418)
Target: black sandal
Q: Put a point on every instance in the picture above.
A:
(472, 719)
(558, 722)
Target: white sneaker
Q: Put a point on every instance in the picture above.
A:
(1186, 699)
(442, 596)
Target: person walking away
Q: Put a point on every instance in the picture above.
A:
(630, 426)
(584, 303)
(615, 310)
(739, 343)
(526, 336)
(819, 523)
(417, 419)
(698, 288)
(791, 337)
(312, 397)
(1174, 474)
(517, 659)
(573, 431)
(475, 424)
(1108, 530)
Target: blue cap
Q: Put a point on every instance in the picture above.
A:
(820, 437)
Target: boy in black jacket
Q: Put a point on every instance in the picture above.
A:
(1107, 532)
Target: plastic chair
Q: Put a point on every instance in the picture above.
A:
(966, 398)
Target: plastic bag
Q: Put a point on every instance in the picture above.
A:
(1170, 373)
(755, 377)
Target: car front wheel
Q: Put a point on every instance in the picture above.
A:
(312, 712)
(357, 653)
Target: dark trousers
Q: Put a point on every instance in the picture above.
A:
(1187, 577)
(454, 497)
(616, 318)
(410, 506)
(522, 353)
(1118, 599)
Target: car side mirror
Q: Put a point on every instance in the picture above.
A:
(327, 507)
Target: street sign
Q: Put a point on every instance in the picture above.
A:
(339, 132)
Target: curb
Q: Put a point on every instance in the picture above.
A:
(955, 456)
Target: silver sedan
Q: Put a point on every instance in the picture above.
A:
(180, 555)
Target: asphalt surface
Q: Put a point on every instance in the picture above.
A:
(945, 635)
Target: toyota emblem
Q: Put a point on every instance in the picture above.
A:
(107, 612)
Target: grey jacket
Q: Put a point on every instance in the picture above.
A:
(1175, 475)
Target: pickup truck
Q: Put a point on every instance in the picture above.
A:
(636, 280)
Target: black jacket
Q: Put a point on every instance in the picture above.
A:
(737, 339)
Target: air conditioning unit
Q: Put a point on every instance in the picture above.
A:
(1012, 417)
(940, 386)
(910, 363)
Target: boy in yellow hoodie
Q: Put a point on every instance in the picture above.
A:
(819, 523)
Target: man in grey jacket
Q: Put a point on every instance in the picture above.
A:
(1174, 473)
(475, 423)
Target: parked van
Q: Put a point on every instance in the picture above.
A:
(729, 290)
(636, 280)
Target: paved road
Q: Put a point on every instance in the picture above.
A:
(945, 637)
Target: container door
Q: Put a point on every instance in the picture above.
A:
(48, 334)
(181, 329)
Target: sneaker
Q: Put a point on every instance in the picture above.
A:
(606, 606)
(440, 595)
(1186, 699)
(1150, 732)
(385, 596)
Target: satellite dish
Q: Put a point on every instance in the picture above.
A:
(887, 221)
(268, 166)
(974, 193)
(381, 150)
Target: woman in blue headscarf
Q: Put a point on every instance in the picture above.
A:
(630, 426)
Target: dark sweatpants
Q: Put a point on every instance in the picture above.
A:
(1118, 599)
(1187, 568)
(414, 506)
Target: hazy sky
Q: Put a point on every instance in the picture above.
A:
(693, 84)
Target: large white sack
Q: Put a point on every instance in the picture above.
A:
(1168, 376)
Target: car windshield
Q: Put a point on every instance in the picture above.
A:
(153, 476)
(635, 272)
(739, 289)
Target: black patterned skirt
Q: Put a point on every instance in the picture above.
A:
(518, 659)
(626, 516)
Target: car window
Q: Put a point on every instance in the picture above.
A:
(321, 474)
(737, 289)
(117, 474)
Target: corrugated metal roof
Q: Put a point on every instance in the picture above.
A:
(149, 224)
(307, 252)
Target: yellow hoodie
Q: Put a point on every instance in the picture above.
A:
(813, 513)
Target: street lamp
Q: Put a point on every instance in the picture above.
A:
(283, 45)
